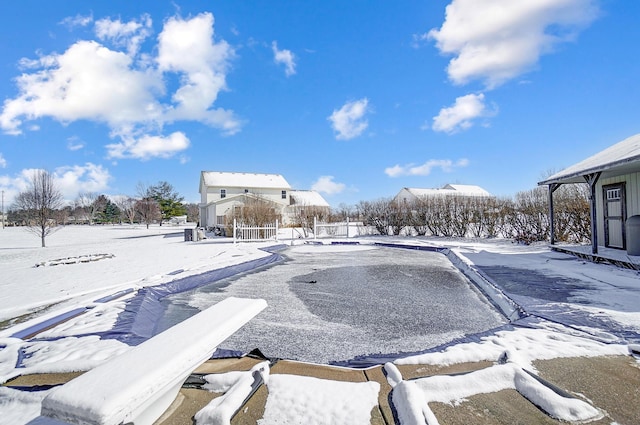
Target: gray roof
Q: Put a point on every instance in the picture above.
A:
(621, 158)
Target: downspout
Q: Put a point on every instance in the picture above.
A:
(592, 179)
(552, 227)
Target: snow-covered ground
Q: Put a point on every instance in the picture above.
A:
(94, 262)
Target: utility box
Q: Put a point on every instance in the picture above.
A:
(633, 235)
(188, 235)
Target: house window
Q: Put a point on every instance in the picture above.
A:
(284, 194)
(223, 193)
(613, 194)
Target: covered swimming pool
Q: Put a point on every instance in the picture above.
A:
(330, 303)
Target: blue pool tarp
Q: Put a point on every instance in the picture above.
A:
(138, 321)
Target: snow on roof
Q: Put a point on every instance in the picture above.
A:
(450, 189)
(246, 180)
(467, 189)
(419, 192)
(307, 197)
(622, 153)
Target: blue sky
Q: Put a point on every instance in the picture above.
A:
(354, 99)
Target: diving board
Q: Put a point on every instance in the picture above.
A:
(139, 385)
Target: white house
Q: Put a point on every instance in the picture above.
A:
(220, 192)
(613, 176)
(305, 202)
(409, 195)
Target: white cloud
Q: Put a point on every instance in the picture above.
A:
(460, 116)
(186, 47)
(70, 180)
(88, 81)
(349, 121)
(147, 147)
(74, 143)
(124, 34)
(325, 184)
(497, 40)
(3, 162)
(285, 57)
(127, 90)
(74, 179)
(77, 21)
(11, 186)
(446, 165)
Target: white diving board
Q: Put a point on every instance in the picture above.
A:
(139, 385)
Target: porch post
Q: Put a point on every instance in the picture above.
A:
(592, 179)
(552, 226)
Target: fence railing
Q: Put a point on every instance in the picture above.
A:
(245, 233)
(330, 230)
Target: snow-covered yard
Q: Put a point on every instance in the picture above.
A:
(594, 311)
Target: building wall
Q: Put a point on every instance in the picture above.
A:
(404, 196)
(213, 194)
(632, 197)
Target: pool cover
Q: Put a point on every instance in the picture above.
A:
(139, 321)
(331, 303)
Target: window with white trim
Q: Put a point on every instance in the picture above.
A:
(613, 194)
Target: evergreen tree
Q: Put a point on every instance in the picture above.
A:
(168, 199)
(111, 213)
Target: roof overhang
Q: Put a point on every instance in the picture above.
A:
(616, 160)
(614, 169)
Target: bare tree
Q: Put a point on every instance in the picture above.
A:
(127, 206)
(148, 210)
(399, 216)
(147, 207)
(528, 218)
(91, 204)
(376, 213)
(572, 213)
(193, 212)
(303, 216)
(40, 202)
(254, 211)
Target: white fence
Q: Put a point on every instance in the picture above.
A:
(331, 230)
(254, 233)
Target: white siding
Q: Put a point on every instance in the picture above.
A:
(632, 198)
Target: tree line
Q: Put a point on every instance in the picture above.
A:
(523, 218)
(41, 207)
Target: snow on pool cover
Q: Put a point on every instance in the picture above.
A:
(332, 303)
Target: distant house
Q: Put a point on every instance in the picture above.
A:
(221, 192)
(613, 176)
(305, 203)
(308, 198)
(409, 195)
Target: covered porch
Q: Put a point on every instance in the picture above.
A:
(613, 176)
(604, 255)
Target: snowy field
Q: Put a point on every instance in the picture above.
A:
(596, 312)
